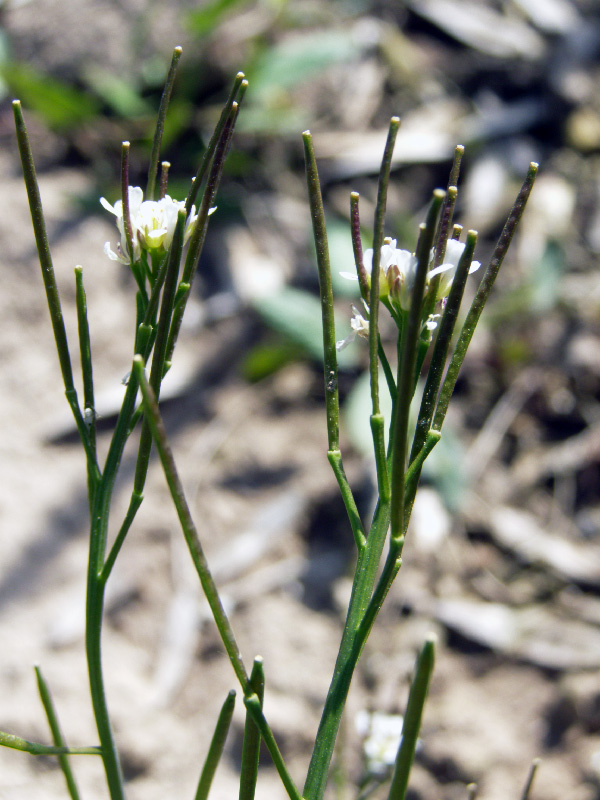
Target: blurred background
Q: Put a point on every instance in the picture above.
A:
(503, 560)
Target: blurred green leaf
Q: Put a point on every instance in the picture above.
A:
(297, 315)
(60, 105)
(266, 359)
(296, 60)
(203, 21)
(119, 94)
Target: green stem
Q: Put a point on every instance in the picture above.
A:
(165, 166)
(43, 248)
(251, 745)
(134, 504)
(127, 227)
(85, 351)
(380, 208)
(349, 652)
(215, 751)
(240, 84)
(483, 292)
(187, 524)
(330, 365)
(387, 371)
(93, 647)
(253, 704)
(363, 276)
(49, 279)
(335, 459)
(160, 124)
(442, 345)
(408, 356)
(57, 736)
(332, 402)
(37, 749)
(198, 235)
(317, 214)
(160, 349)
(412, 720)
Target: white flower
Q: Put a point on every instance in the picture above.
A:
(397, 270)
(388, 257)
(454, 251)
(431, 322)
(360, 327)
(381, 734)
(152, 224)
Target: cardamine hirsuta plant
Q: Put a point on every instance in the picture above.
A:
(422, 293)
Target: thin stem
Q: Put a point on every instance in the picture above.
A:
(408, 356)
(215, 751)
(240, 84)
(485, 287)
(442, 344)
(37, 749)
(414, 470)
(160, 349)
(349, 652)
(335, 459)
(380, 208)
(412, 720)
(198, 236)
(387, 371)
(57, 736)
(48, 276)
(189, 529)
(85, 350)
(253, 704)
(251, 745)
(383, 479)
(317, 214)
(165, 166)
(160, 123)
(134, 503)
(459, 152)
(93, 648)
(43, 248)
(363, 276)
(529, 782)
(125, 200)
(93, 474)
(441, 240)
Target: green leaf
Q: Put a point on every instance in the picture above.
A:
(297, 315)
(119, 94)
(203, 21)
(266, 359)
(296, 60)
(60, 105)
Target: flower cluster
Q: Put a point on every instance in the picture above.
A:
(397, 270)
(152, 224)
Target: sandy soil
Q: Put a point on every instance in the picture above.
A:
(516, 675)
